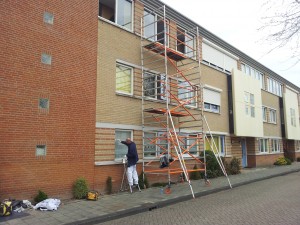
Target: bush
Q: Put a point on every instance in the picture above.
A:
(40, 196)
(212, 166)
(80, 188)
(143, 181)
(195, 175)
(109, 185)
(288, 161)
(234, 166)
(282, 161)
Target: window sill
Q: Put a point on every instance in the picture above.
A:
(209, 111)
(115, 24)
(267, 153)
(124, 94)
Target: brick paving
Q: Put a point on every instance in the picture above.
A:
(273, 201)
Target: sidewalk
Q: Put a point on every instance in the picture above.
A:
(114, 206)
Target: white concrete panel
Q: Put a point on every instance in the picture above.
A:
(290, 101)
(245, 125)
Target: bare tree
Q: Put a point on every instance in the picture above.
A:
(282, 21)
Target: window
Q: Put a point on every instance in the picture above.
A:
(272, 116)
(249, 104)
(186, 93)
(251, 99)
(264, 113)
(44, 103)
(185, 43)
(149, 144)
(274, 86)
(262, 81)
(293, 117)
(40, 150)
(190, 143)
(48, 17)
(124, 79)
(160, 31)
(46, 59)
(248, 70)
(154, 27)
(212, 100)
(149, 26)
(161, 90)
(150, 85)
(217, 57)
(219, 142)
(154, 144)
(211, 108)
(297, 145)
(121, 149)
(180, 46)
(263, 145)
(275, 145)
(117, 11)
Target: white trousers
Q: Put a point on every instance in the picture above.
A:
(132, 175)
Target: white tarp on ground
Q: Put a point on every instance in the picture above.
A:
(48, 204)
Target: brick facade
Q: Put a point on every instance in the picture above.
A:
(67, 127)
(84, 109)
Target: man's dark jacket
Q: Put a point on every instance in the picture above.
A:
(132, 156)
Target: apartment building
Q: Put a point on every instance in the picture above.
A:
(252, 112)
(77, 77)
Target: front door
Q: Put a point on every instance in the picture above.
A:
(244, 153)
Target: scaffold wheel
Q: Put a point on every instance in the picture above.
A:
(168, 190)
(207, 182)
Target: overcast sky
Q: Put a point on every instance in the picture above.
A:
(237, 22)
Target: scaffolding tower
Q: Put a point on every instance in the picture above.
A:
(172, 99)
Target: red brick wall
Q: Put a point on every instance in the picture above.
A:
(263, 160)
(68, 128)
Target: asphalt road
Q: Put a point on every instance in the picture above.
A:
(273, 201)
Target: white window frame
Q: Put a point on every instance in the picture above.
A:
(116, 11)
(208, 107)
(131, 79)
(117, 143)
(274, 87)
(265, 147)
(272, 116)
(187, 94)
(189, 50)
(189, 139)
(154, 88)
(153, 36)
(158, 19)
(249, 104)
(264, 114)
(213, 107)
(221, 143)
(154, 144)
(297, 145)
(293, 117)
(275, 145)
